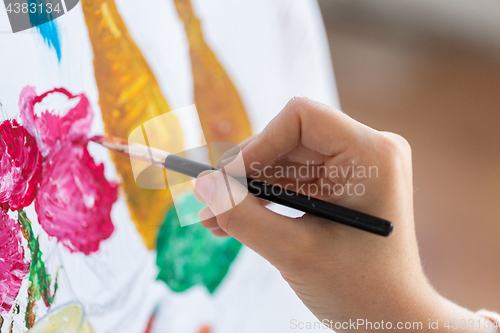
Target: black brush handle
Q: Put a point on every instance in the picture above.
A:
(291, 199)
(320, 208)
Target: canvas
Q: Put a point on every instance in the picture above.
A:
(86, 247)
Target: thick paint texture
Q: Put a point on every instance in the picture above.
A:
(13, 268)
(20, 166)
(129, 96)
(39, 278)
(74, 199)
(55, 132)
(191, 255)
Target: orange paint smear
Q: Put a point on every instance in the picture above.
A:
(151, 321)
(205, 329)
(221, 111)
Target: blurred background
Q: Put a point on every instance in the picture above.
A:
(430, 71)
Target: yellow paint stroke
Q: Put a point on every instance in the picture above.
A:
(129, 96)
(109, 21)
(69, 319)
(221, 111)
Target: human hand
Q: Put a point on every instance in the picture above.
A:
(340, 273)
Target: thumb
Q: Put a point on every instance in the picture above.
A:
(242, 216)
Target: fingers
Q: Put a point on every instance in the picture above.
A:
(230, 154)
(316, 126)
(242, 216)
(209, 221)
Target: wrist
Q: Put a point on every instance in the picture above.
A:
(449, 317)
(422, 309)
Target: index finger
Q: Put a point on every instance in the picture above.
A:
(316, 126)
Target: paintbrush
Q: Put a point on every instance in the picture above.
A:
(262, 190)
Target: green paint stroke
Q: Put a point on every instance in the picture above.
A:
(191, 255)
(29, 315)
(39, 278)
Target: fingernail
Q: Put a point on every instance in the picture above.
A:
(225, 161)
(228, 156)
(205, 186)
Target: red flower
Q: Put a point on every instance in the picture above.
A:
(13, 268)
(74, 199)
(20, 166)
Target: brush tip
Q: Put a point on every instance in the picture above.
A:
(97, 138)
(108, 139)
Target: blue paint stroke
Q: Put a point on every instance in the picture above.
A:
(51, 36)
(48, 30)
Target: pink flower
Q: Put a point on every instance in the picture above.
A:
(20, 166)
(13, 268)
(51, 130)
(74, 199)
